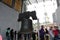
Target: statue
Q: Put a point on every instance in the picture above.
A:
(26, 25)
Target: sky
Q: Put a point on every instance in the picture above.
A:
(48, 7)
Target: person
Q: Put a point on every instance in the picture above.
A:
(1, 37)
(25, 36)
(29, 36)
(11, 34)
(55, 32)
(46, 34)
(42, 33)
(59, 34)
(8, 33)
(51, 33)
(15, 35)
(19, 36)
(33, 36)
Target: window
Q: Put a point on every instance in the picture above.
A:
(41, 9)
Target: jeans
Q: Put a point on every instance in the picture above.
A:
(41, 37)
(56, 38)
(51, 38)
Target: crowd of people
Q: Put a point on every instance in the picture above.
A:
(49, 34)
(44, 34)
(10, 34)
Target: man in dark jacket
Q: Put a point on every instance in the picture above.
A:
(11, 34)
(8, 33)
(41, 32)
